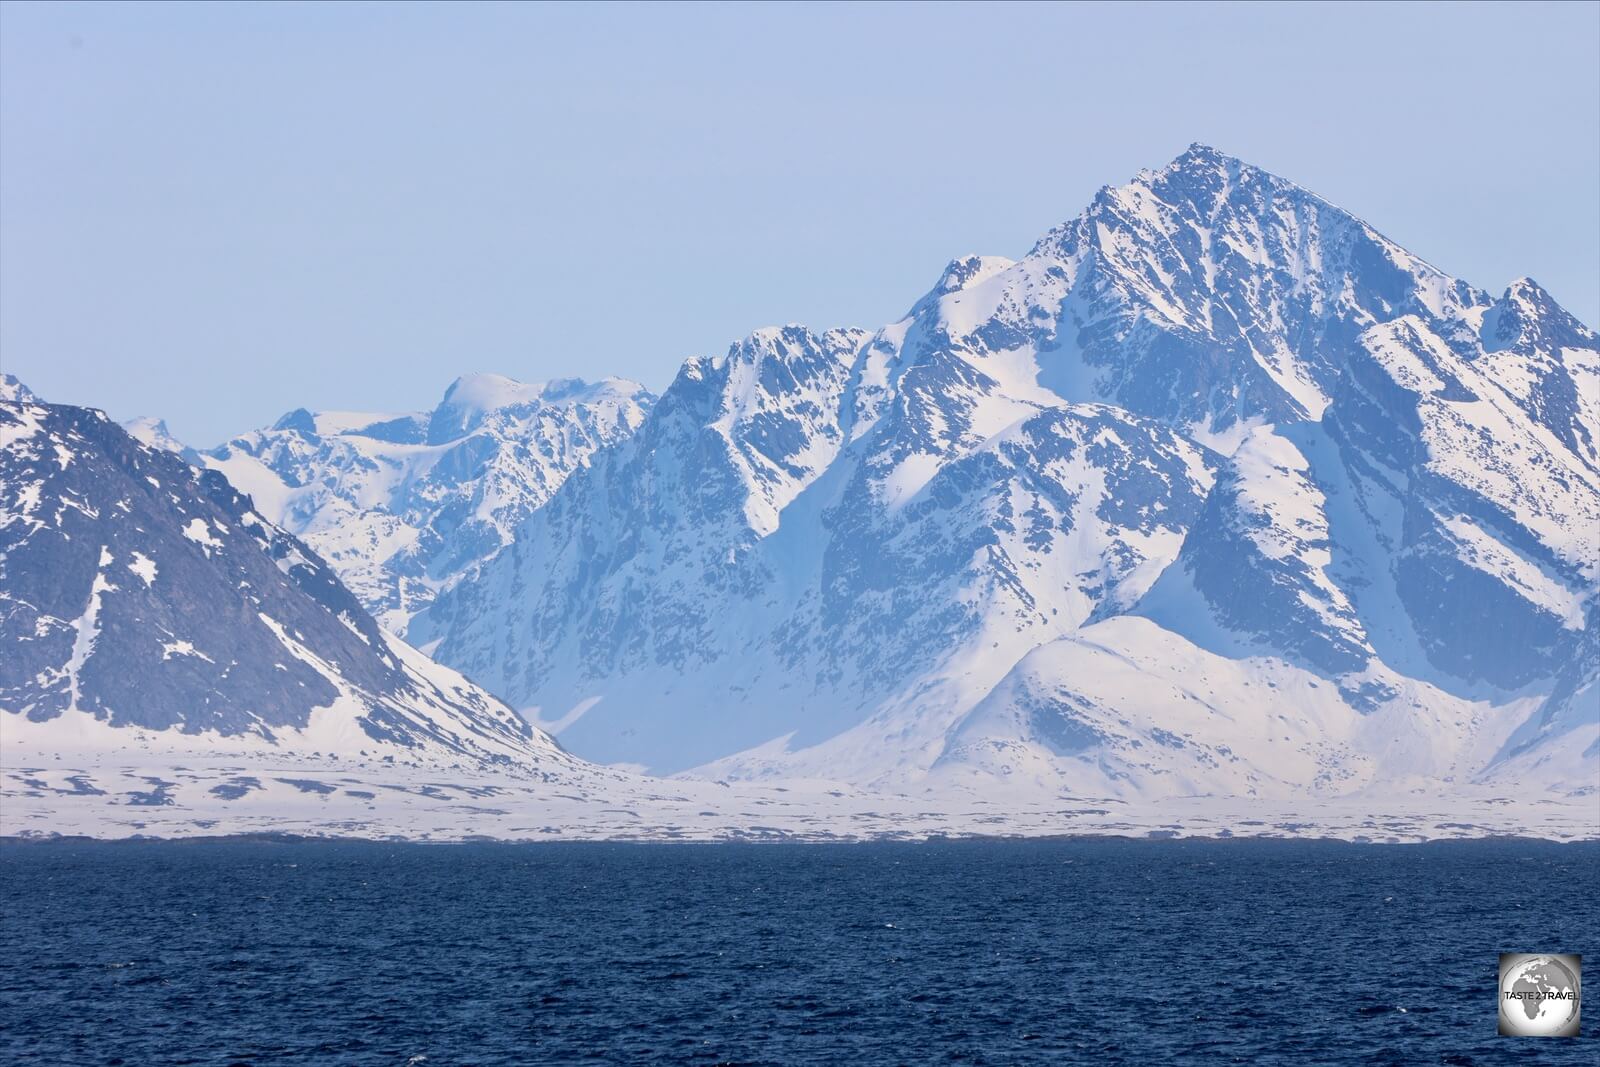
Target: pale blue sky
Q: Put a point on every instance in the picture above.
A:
(219, 213)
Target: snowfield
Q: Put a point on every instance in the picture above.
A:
(122, 795)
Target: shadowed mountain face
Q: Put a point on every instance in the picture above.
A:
(1213, 425)
(143, 592)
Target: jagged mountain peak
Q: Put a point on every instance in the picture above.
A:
(1197, 190)
(301, 420)
(1208, 293)
(971, 270)
(1196, 183)
(790, 341)
(1200, 152)
(485, 391)
(12, 390)
(474, 398)
(1214, 415)
(312, 426)
(152, 425)
(758, 422)
(152, 432)
(767, 370)
(468, 402)
(1526, 290)
(1204, 162)
(1528, 315)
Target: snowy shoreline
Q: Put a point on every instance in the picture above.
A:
(209, 798)
(270, 838)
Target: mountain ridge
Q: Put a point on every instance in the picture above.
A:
(1376, 477)
(405, 503)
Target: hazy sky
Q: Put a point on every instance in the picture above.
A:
(219, 213)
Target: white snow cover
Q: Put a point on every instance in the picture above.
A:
(152, 432)
(143, 566)
(199, 531)
(139, 785)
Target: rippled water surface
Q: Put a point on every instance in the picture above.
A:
(982, 952)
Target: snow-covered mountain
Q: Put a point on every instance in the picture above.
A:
(1215, 490)
(152, 432)
(12, 389)
(402, 505)
(145, 602)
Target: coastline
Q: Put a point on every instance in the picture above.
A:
(1265, 840)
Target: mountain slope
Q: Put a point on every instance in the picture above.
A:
(143, 597)
(1212, 401)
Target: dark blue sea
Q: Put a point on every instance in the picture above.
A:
(1097, 951)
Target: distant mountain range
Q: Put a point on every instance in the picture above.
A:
(403, 505)
(1215, 491)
